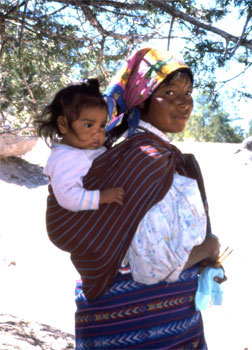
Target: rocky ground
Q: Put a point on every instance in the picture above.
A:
(16, 333)
(27, 318)
(37, 280)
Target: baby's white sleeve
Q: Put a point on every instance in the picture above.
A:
(66, 180)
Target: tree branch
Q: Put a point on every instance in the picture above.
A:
(21, 56)
(162, 4)
(96, 24)
(242, 34)
(115, 4)
(170, 31)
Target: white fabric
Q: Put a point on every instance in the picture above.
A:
(66, 167)
(168, 232)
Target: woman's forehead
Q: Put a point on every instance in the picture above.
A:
(181, 78)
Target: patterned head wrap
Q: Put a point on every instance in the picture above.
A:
(135, 82)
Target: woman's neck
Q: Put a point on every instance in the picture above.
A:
(149, 127)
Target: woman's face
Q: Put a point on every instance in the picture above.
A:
(171, 105)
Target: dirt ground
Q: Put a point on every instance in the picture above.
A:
(37, 279)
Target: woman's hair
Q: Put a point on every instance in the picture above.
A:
(178, 73)
(115, 133)
(68, 102)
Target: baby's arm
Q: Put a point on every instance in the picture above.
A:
(78, 199)
(112, 195)
(66, 169)
(71, 195)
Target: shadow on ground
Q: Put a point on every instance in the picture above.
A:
(20, 172)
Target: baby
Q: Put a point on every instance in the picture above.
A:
(75, 122)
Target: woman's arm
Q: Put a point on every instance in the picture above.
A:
(209, 251)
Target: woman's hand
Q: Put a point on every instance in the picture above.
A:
(220, 280)
(213, 246)
(206, 254)
(214, 264)
(209, 250)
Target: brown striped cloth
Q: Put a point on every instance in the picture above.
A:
(98, 240)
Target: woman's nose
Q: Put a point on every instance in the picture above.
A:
(183, 103)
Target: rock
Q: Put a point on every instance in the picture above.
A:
(16, 145)
(19, 334)
(245, 151)
(247, 143)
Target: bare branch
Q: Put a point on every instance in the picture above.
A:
(236, 76)
(16, 131)
(242, 34)
(96, 24)
(2, 32)
(170, 32)
(163, 5)
(3, 117)
(54, 13)
(21, 56)
(116, 4)
(93, 20)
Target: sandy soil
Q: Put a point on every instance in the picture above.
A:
(37, 279)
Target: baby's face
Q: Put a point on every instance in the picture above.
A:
(88, 131)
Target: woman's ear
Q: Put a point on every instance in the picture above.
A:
(62, 124)
(141, 106)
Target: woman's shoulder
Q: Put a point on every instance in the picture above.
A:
(148, 138)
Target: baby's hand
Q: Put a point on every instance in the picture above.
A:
(112, 195)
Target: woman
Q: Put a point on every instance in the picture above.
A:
(153, 96)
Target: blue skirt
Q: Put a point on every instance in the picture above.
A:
(135, 316)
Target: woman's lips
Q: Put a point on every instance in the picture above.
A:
(182, 117)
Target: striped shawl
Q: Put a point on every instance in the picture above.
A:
(98, 240)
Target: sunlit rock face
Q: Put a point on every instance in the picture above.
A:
(16, 145)
(247, 143)
(244, 152)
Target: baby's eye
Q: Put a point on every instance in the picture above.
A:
(103, 126)
(88, 125)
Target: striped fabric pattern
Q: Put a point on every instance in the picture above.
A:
(135, 316)
(98, 240)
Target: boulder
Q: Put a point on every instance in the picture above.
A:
(12, 145)
(247, 144)
(245, 151)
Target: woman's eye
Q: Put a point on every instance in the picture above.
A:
(189, 93)
(169, 92)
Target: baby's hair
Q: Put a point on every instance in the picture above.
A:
(68, 102)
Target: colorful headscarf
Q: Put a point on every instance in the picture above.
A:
(135, 82)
